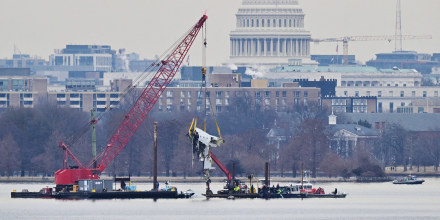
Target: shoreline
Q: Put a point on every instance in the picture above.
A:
(148, 179)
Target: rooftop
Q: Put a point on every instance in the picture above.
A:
(354, 128)
(340, 69)
(410, 122)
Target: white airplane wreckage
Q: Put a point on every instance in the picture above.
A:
(202, 142)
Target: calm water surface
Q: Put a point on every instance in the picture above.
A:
(364, 201)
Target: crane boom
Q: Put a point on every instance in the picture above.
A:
(222, 167)
(148, 98)
(138, 113)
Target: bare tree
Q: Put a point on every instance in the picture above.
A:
(392, 146)
(51, 158)
(10, 155)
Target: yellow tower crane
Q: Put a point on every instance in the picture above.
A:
(388, 38)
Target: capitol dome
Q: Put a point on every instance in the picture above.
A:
(270, 32)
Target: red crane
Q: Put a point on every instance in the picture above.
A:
(137, 114)
(223, 168)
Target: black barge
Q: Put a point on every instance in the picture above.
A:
(105, 195)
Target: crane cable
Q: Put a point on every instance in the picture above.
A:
(204, 86)
(128, 90)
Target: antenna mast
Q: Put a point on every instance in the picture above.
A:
(398, 34)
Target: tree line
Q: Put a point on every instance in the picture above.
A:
(29, 141)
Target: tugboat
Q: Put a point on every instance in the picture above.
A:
(306, 189)
(410, 179)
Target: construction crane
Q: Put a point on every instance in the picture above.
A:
(67, 177)
(388, 38)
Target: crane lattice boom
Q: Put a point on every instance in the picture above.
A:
(137, 113)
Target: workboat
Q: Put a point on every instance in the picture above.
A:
(410, 179)
(305, 189)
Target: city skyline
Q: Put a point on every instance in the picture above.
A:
(148, 28)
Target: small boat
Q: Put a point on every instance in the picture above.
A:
(310, 192)
(410, 179)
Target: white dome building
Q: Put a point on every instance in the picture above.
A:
(270, 32)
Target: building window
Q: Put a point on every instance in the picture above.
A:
(99, 95)
(297, 93)
(402, 94)
(379, 107)
(390, 93)
(218, 94)
(402, 104)
(169, 94)
(257, 95)
(368, 93)
(268, 23)
(306, 94)
(182, 94)
(391, 107)
(61, 95)
(413, 93)
(345, 93)
(262, 23)
(169, 101)
(424, 94)
(379, 94)
(226, 102)
(199, 94)
(218, 109)
(356, 93)
(227, 94)
(267, 101)
(277, 94)
(284, 93)
(435, 93)
(267, 94)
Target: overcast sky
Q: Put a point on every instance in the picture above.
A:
(149, 27)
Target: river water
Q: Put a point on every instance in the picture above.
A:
(364, 201)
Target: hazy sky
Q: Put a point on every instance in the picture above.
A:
(148, 27)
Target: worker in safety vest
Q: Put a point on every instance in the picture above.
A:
(236, 189)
